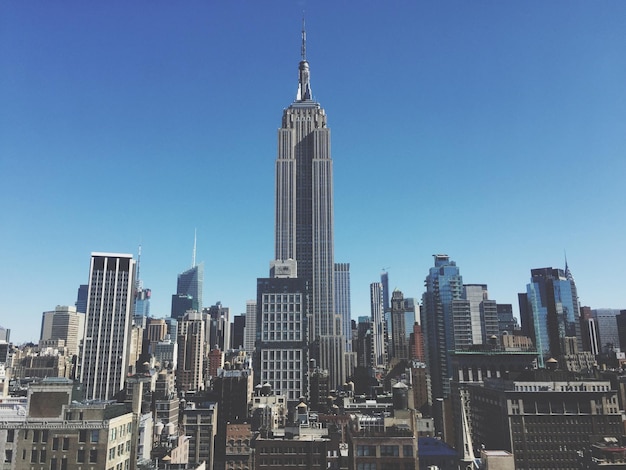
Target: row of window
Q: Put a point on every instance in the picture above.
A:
(120, 450)
(281, 298)
(384, 451)
(39, 456)
(277, 336)
(41, 436)
(284, 354)
(269, 374)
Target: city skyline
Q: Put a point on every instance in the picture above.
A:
(493, 132)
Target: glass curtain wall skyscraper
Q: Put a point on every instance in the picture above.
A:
(304, 214)
(550, 312)
(444, 286)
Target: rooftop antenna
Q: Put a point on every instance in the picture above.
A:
(195, 238)
(303, 47)
(138, 283)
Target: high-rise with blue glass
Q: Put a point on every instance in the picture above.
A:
(444, 285)
(188, 291)
(550, 312)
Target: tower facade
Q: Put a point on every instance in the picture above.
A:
(281, 357)
(342, 301)
(304, 211)
(379, 352)
(400, 349)
(191, 352)
(250, 330)
(550, 312)
(188, 291)
(444, 285)
(106, 345)
(67, 324)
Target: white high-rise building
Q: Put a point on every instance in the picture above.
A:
(106, 345)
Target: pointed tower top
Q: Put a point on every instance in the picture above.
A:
(304, 85)
(568, 273)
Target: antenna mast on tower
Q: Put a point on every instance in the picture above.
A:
(193, 258)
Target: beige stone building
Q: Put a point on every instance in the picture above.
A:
(60, 431)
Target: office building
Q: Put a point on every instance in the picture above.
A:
(444, 285)
(188, 291)
(549, 311)
(218, 320)
(191, 353)
(400, 338)
(342, 301)
(61, 431)
(81, 298)
(304, 212)
(238, 332)
(483, 313)
(180, 304)
(543, 417)
(199, 420)
(606, 321)
(46, 325)
(379, 352)
(142, 302)
(621, 327)
(232, 388)
(250, 329)
(65, 323)
(106, 349)
(282, 347)
(507, 323)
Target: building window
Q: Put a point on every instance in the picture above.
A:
(10, 435)
(8, 455)
(366, 466)
(53, 463)
(94, 436)
(33, 456)
(389, 451)
(66, 443)
(365, 451)
(407, 451)
(55, 443)
(80, 456)
(42, 456)
(82, 435)
(93, 456)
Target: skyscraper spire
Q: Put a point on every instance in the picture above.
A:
(304, 85)
(303, 48)
(193, 256)
(138, 283)
(568, 273)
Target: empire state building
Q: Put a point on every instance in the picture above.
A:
(304, 216)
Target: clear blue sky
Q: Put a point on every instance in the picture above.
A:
(493, 131)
